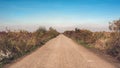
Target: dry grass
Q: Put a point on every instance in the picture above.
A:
(16, 44)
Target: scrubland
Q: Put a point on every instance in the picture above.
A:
(106, 42)
(15, 44)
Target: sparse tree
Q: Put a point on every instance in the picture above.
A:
(115, 25)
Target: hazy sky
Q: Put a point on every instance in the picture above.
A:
(29, 14)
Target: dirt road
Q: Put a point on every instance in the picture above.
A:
(62, 52)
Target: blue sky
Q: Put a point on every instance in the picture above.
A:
(59, 13)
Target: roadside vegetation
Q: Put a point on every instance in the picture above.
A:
(14, 44)
(106, 42)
